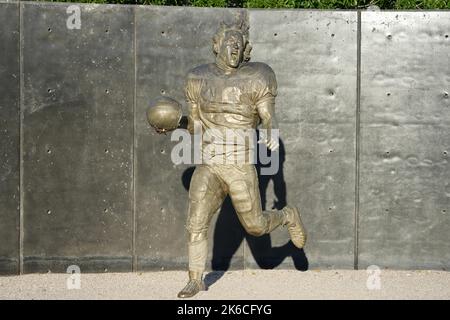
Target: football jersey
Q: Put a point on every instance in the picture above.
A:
(227, 106)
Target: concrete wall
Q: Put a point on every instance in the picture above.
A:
(405, 139)
(9, 138)
(364, 115)
(78, 94)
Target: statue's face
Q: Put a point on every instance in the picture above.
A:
(231, 49)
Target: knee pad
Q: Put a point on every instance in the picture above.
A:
(197, 190)
(200, 184)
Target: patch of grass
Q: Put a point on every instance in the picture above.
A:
(270, 4)
(306, 4)
(422, 4)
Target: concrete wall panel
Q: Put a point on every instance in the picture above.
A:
(78, 133)
(9, 138)
(314, 57)
(405, 140)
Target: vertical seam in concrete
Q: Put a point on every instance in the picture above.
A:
(134, 262)
(357, 160)
(21, 190)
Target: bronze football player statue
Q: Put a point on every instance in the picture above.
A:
(238, 95)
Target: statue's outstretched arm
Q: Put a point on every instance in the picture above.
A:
(266, 112)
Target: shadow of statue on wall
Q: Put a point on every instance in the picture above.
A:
(229, 233)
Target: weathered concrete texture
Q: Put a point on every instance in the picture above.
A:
(405, 119)
(9, 138)
(314, 57)
(169, 42)
(78, 133)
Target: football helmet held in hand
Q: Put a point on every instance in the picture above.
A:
(164, 114)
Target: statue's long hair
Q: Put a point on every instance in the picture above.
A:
(240, 26)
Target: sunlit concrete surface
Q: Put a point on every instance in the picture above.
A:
(249, 284)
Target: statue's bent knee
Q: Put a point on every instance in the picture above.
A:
(256, 230)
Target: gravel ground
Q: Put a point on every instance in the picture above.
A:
(248, 284)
